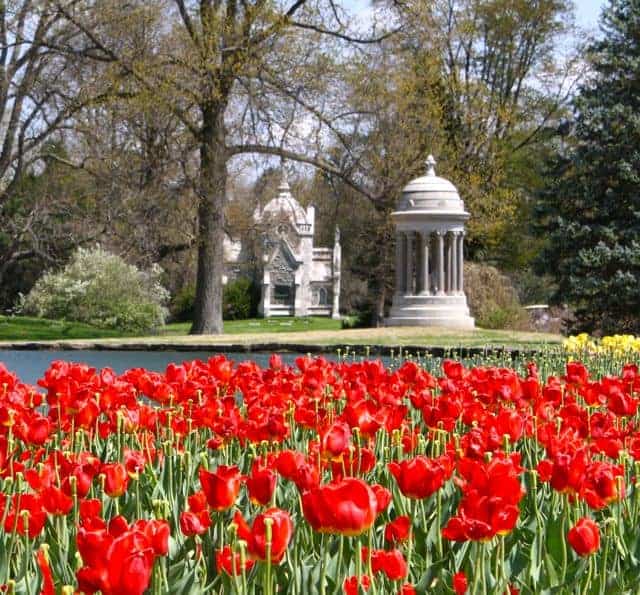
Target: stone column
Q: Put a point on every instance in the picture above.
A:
(447, 262)
(453, 289)
(460, 262)
(266, 295)
(409, 265)
(440, 253)
(337, 265)
(399, 263)
(424, 252)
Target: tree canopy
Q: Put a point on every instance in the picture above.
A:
(158, 106)
(590, 208)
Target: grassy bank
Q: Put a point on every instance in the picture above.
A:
(282, 331)
(26, 328)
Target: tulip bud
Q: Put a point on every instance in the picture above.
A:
(396, 438)
(232, 529)
(242, 545)
(160, 509)
(268, 530)
(25, 520)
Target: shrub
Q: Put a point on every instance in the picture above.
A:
(240, 299)
(182, 304)
(101, 289)
(493, 300)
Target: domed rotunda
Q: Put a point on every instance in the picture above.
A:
(429, 223)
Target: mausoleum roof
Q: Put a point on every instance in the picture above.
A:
(287, 204)
(430, 194)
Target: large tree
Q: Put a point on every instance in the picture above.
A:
(504, 77)
(37, 96)
(590, 210)
(240, 76)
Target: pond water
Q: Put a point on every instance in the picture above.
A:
(30, 365)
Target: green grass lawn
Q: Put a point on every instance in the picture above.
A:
(26, 328)
(263, 325)
(299, 331)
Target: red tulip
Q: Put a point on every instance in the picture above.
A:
(198, 502)
(48, 587)
(261, 484)
(350, 585)
(90, 508)
(584, 537)
(398, 530)
(194, 523)
(383, 497)
(221, 486)
(56, 501)
(295, 466)
(227, 561)
(130, 564)
(421, 476)
(335, 439)
(347, 507)
(157, 532)
(116, 479)
(256, 536)
(392, 563)
(119, 560)
(460, 584)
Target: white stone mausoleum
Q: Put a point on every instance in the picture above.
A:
(429, 223)
(297, 279)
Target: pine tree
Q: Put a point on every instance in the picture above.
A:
(590, 209)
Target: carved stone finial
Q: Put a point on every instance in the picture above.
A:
(431, 165)
(284, 182)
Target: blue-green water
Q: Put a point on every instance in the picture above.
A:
(30, 365)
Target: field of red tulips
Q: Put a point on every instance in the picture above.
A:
(319, 478)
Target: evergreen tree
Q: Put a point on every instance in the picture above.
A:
(590, 209)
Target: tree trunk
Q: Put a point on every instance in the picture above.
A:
(380, 302)
(207, 317)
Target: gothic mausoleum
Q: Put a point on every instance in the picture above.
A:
(429, 223)
(297, 279)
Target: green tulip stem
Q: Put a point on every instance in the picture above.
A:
(439, 523)
(339, 565)
(243, 563)
(369, 562)
(563, 534)
(587, 583)
(268, 524)
(27, 551)
(603, 573)
(477, 569)
(325, 563)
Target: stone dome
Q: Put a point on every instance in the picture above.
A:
(431, 194)
(287, 204)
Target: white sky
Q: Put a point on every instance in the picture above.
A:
(587, 11)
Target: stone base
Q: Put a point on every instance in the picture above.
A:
(430, 310)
